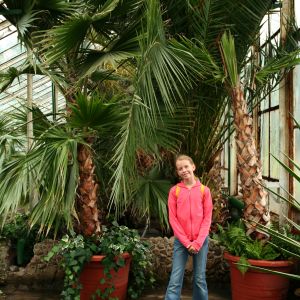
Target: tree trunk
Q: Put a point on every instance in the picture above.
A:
(87, 194)
(249, 165)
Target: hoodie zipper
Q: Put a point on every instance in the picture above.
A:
(191, 213)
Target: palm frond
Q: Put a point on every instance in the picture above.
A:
(94, 112)
(12, 139)
(278, 64)
(62, 37)
(288, 169)
(49, 171)
(151, 197)
(227, 47)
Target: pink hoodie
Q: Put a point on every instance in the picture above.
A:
(190, 215)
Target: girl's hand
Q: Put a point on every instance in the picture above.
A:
(192, 250)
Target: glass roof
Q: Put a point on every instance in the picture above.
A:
(13, 54)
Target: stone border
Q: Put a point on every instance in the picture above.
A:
(39, 274)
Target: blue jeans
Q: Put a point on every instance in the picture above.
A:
(180, 256)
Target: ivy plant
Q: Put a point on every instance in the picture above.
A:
(76, 250)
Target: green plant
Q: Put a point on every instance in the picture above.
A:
(282, 236)
(238, 243)
(76, 250)
(21, 236)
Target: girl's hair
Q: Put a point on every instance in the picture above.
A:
(182, 157)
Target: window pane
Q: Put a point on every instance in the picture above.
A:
(264, 142)
(274, 201)
(274, 143)
(264, 30)
(297, 93)
(275, 97)
(297, 160)
(264, 104)
(297, 11)
(274, 21)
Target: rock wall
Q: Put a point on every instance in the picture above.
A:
(217, 271)
(39, 274)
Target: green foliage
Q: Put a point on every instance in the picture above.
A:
(286, 234)
(243, 265)
(282, 236)
(115, 240)
(236, 241)
(21, 236)
(229, 58)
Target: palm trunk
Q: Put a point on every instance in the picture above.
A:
(249, 165)
(87, 194)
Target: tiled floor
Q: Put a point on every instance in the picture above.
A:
(155, 294)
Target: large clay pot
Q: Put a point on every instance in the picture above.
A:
(256, 284)
(93, 272)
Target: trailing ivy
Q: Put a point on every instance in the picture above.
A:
(76, 250)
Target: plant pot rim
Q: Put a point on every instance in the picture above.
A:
(260, 262)
(97, 258)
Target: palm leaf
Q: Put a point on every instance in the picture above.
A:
(151, 197)
(94, 112)
(288, 169)
(50, 171)
(229, 58)
(288, 275)
(278, 64)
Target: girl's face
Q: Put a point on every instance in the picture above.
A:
(185, 169)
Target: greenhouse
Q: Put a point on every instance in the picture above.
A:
(150, 149)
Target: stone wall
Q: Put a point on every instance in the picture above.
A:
(217, 271)
(40, 274)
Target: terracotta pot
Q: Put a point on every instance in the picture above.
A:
(256, 284)
(93, 272)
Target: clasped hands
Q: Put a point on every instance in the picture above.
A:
(192, 250)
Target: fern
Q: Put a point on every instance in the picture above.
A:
(238, 243)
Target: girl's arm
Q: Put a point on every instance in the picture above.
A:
(177, 228)
(206, 222)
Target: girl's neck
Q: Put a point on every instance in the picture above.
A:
(189, 182)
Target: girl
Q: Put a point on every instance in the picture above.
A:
(190, 212)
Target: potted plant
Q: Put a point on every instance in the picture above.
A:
(246, 256)
(101, 264)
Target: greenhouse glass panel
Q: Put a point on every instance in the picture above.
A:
(264, 143)
(274, 201)
(274, 143)
(264, 30)
(264, 104)
(10, 54)
(13, 54)
(297, 93)
(275, 97)
(8, 41)
(274, 21)
(297, 160)
(297, 11)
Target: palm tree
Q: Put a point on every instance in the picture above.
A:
(223, 37)
(249, 164)
(85, 46)
(189, 74)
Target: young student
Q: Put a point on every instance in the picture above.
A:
(190, 213)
